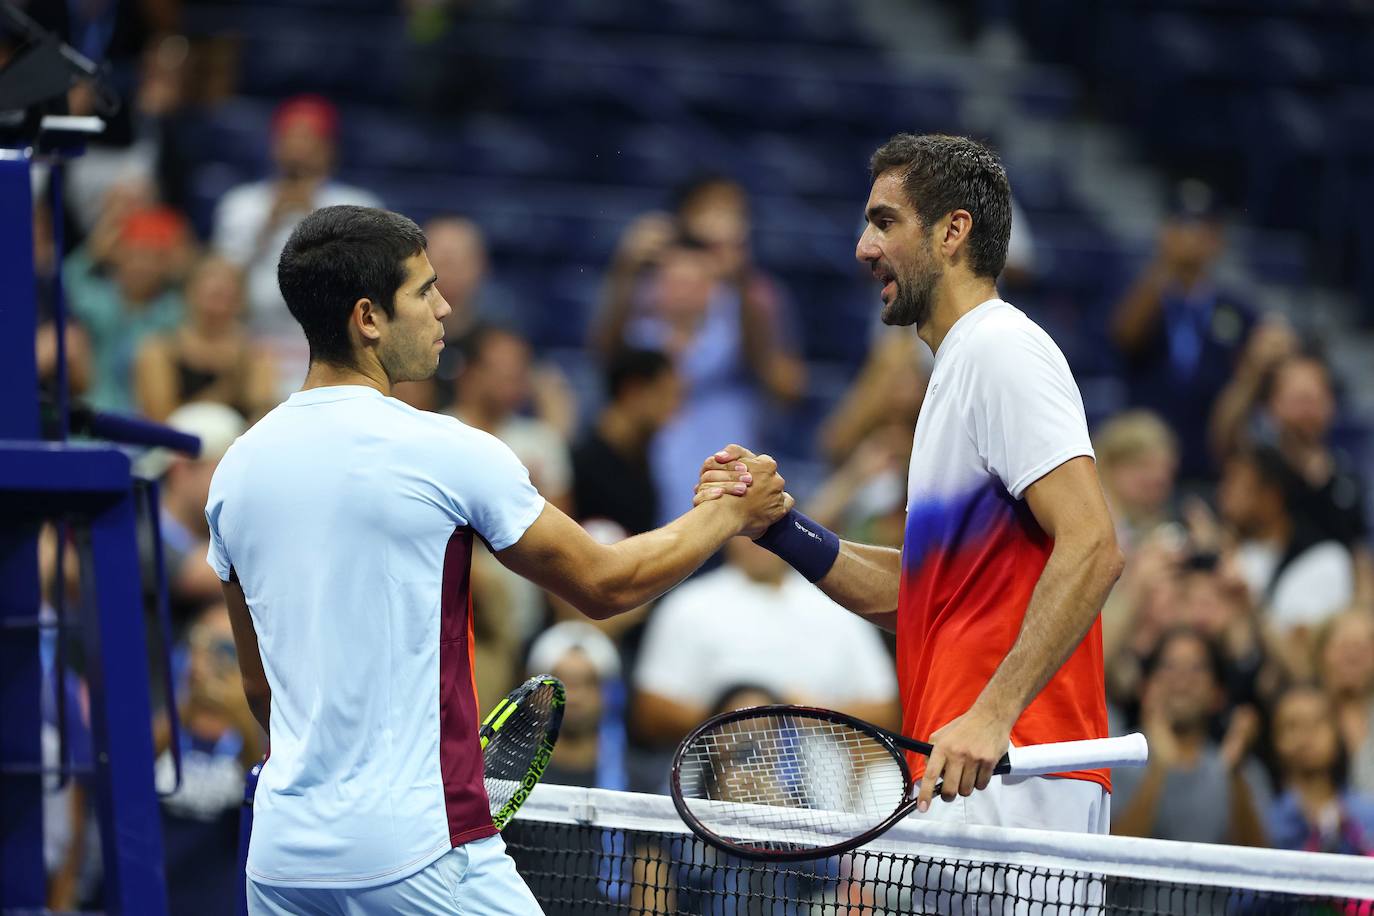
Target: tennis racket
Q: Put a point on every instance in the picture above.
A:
(787, 783)
(517, 739)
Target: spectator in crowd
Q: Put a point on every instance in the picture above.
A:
(1193, 788)
(122, 286)
(1137, 458)
(495, 384)
(145, 141)
(1285, 398)
(1345, 663)
(756, 621)
(1178, 331)
(458, 252)
(185, 489)
(1296, 576)
(591, 744)
(611, 474)
(865, 498)
(209, 356)
(686, 284)
(1317, 810)
(1171, 582)
(888, 391)
(254, 220)
(219, 741)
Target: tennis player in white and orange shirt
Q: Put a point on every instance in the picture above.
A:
(1009, 551)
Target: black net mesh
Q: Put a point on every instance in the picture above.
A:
(575, 869)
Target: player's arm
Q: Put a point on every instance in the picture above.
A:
(1084, 563)
(862, 578)
(604, 580)
(255, 686)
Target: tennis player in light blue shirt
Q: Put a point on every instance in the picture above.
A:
(342, 527)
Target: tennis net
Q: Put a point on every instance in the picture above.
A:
(585, 851)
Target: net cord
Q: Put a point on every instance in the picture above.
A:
(1317, 874)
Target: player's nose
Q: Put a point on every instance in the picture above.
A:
(866, 251)
(444, 309)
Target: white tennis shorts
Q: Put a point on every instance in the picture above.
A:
(475, 879)
(1036, 802)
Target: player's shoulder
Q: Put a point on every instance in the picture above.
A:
(1005, 333)
(1000, 321)
(440, 430)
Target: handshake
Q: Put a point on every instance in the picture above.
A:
(749, 484)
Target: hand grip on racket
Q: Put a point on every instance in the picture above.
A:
(517, 739)
(787, 783)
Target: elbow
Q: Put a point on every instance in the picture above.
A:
(1110, 560)
(605, 602)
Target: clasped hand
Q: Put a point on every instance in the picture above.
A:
(736, 471)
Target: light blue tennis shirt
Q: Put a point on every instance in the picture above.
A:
(348, 518)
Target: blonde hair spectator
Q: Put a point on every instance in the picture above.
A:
(1137, 457)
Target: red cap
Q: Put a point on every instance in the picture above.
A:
(154, 227)
(313, 111)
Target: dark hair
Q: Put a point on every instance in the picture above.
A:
(1308, 353)
(1340, 766)
(336, 256)
(628, 366)
(1216, 661)
(1269, 465)
(474, 343)
(942, 174)
(686, 194)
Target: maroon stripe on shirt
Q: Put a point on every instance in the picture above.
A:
(460, 753)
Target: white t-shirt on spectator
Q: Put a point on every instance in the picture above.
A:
(724, 629)
(1318, 583)
(239, 221)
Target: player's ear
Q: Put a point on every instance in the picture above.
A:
(958, 225)
(365, 318)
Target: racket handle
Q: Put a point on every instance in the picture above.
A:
(1064, 756)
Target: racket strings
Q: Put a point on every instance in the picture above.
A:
(509, 752)
(808, 782)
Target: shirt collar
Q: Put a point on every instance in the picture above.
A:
(331, 393)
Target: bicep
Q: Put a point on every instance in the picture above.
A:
(556, 554)
(1069, 500)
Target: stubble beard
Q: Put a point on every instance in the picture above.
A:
(914, 301)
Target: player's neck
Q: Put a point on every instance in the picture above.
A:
(326, 375)
(956, 297)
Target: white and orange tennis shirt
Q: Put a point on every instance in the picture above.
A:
(1001, 411)
(349, 519)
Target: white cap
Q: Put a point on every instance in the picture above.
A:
(217, 425)
(558, 640)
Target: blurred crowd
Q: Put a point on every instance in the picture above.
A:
(1240, 638)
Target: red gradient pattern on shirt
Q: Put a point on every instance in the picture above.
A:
(969, 568)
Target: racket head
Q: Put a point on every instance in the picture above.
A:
(517, 739)
(789, 783)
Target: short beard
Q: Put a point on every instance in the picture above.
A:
(915, 299)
